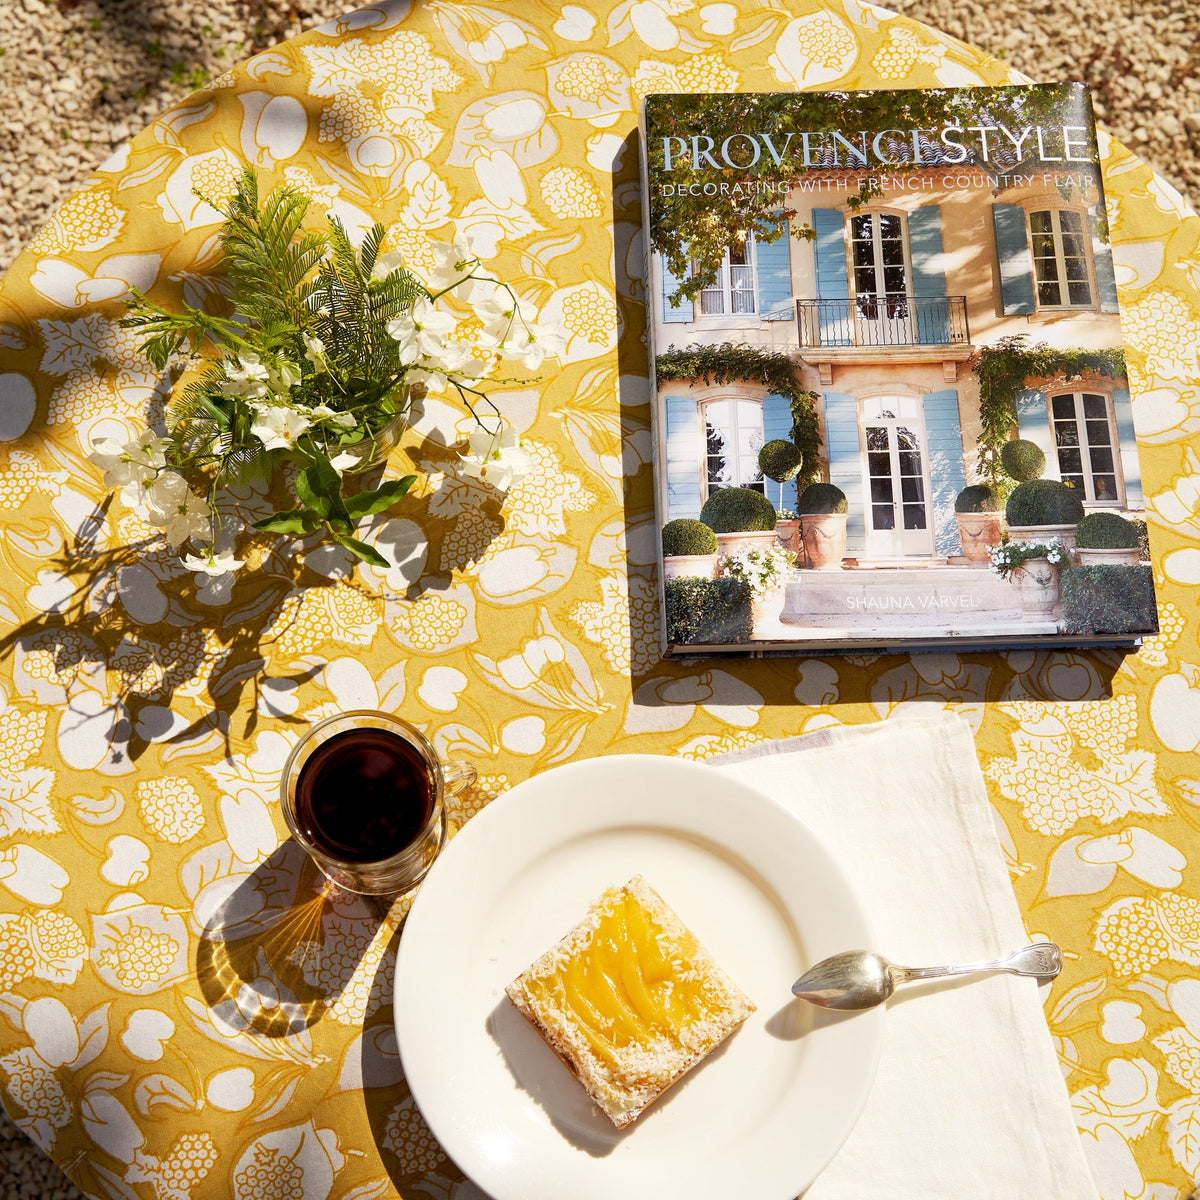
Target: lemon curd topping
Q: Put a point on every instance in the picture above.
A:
(629, 999)
(632, 983)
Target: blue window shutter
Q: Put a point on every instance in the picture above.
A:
(845, 463)
(673, 313)
(773, 275)
(683, 451)
(777, 423)
(1131, 467)
(1016, 263)
(947, 476)
(1033, 424)
(929, 275)
(1106, 280)
(832, 284)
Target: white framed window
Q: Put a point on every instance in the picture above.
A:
(734, 292)
(733, 436)
(1058, 241)
(879, 264)
(1085, 442)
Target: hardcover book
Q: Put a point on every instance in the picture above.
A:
(890, 403)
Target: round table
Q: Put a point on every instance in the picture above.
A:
(151, 911)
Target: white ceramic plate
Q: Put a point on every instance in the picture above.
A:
(761, 1116)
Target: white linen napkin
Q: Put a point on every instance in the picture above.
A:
(969, 1100)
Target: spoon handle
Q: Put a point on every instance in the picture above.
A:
(1042, 959)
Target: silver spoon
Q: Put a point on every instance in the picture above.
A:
(860, 979)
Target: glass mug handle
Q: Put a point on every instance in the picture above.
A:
(458, 775)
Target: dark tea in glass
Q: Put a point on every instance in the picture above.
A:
(363, 793)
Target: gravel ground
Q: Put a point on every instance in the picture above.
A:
(78, 77)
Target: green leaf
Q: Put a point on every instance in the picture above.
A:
(320, 488)
(366, 553)
(367, 504)
(296, 520)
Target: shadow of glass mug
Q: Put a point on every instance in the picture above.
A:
(364, 793)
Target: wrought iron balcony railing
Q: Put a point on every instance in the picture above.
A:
(892, 320)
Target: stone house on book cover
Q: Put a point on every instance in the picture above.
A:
(880, 314)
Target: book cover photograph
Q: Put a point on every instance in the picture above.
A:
(890, 407)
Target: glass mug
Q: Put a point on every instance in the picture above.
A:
(364, 794)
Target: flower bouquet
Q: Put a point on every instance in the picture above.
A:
(1009, 557)
(764, 569)
(314, 369)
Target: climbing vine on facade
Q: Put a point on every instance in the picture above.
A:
(730, 363)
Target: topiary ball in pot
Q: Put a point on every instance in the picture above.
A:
(1022, 460)
(1043, 502)
(780, 460)
(687, 536)
(738, 510)
(820, 499)
(1106, 531)
(978, 498)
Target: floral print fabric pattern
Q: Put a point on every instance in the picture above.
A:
(181, 1014)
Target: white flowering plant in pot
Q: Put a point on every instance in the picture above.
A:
(315, 366)
(1009, 557)
(763, 568)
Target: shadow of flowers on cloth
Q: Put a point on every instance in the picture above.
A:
(281, 946)
(135, 648)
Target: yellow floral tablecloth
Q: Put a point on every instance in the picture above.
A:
(151, 1039)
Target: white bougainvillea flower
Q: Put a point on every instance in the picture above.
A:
(453, 262)
(278, 426)
(176, 509)
(314, 351)
(288, 374)
(247, 377)
(421, 332)
(211, 563)
(130, 466)
(387, 264)
(496, 458)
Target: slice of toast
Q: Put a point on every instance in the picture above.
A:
(629, 1000)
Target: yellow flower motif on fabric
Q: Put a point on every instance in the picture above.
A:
(87, 221)
(901, 52)
(1053, 789)
(468, 539)
(624, 623)
(1163, 327)
(408, 1137)
(339, 612)
(24, 476)
(17, 960)
(707, 72)
(137, 668)
(31, 1083)
(24, 786)
(171, 807)
(140, 957)
(592, 78)
(538, 504)
(140, 949)
(477, 797)
(1135, 933)
(568, 192)
(21, 737)
(85, 395)
(590, 314)
(57, 657)
(430, 622)
(344, 966)
(191, 1158)
(270, 1175)
(1181, 1049)
(190, 660)
(1171, 624)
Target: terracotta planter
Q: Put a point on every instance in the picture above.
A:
(824, 537)
(978, 533)
(1107, 556)
(689, 566)
(1037, 584)
(787, 531)
(1043, 533)
(766, 611)
(730, 543)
